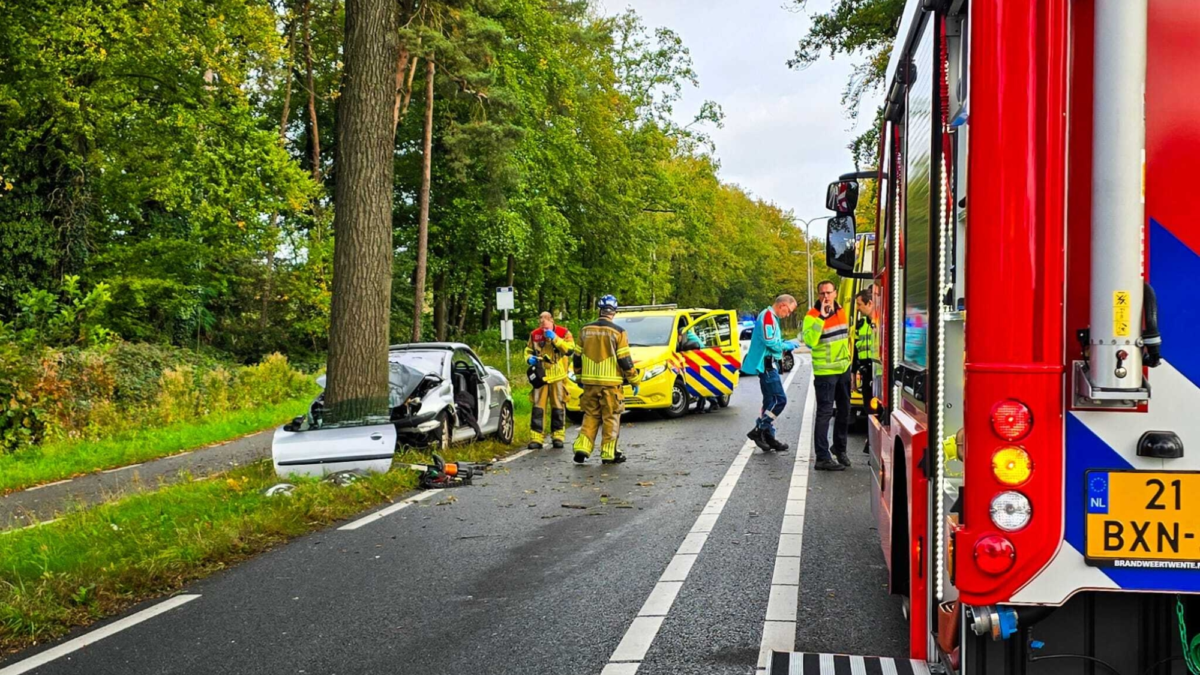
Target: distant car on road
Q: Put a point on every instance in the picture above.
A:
(746, 329)
(422, 381)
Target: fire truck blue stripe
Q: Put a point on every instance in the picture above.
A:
(1086, 450)
(1172, 263)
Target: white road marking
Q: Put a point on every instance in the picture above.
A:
(628, 655)
(515, 456)
(387, 511)
(95, 636)
(779, 625)
(46, 485)
(30, 526)
(121, 468)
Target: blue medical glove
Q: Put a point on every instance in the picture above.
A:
(635, 390)
(550, 335)
(532, 360)
(790, 345)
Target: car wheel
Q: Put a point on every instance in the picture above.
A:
(445, 432)
(507, 427)
(788, 363)
(576, 416)
(723, 401)
(679, 401)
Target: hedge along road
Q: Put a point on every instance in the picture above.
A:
(541, 567)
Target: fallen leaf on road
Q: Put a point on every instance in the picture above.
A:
(708, 485)
(531, 492)
(624, 506)
(574, 506)
(647, 483)
(450, 499)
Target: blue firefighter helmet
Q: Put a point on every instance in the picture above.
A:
(607, 303)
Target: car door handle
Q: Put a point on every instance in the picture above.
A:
(377, 436)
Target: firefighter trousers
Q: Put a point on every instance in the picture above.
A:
(554, 393)
(602, 408)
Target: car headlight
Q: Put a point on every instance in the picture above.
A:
(655, 372)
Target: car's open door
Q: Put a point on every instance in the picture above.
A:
(306, 450)
(713, 370)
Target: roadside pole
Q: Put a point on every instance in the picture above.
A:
(504, 301)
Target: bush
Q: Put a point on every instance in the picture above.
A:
(95, 392)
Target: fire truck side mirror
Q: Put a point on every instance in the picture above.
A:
(842, 196)
(839, 244)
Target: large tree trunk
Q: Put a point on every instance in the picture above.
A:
(362, 253)
(423, 219)
(462, 315)
(314, 132)
(512, 270)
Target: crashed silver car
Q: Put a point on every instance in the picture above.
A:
(434, 390)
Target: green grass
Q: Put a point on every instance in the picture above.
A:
(93, 563)
(57, 461)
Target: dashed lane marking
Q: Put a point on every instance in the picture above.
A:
(779, 625)
(386, 511)
(628, 655)
(38, 660)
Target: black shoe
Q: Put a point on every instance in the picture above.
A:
(580, 457)
(843, 459)
(828, 465)
(867, 448)
(618, 458)
(558, 445)
(534, 445)
(756, 435)
(776, 444)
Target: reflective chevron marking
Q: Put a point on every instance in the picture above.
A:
(796, 663)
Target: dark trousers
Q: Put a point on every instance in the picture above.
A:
(832, 390)
(774, 400)
(868, 392)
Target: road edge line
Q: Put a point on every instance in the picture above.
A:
(55, 653)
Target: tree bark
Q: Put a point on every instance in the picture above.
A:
(314, 131)
(512, 270)
(362, 254)
(423, 219)
(462, 315)
(489, 296)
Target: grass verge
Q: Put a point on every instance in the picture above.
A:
(94, 563)
(63, 460)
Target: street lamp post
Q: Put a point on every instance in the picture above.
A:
(808, 253)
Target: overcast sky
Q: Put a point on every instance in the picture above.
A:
(785, 131)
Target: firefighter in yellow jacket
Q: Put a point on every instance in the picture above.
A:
(552, 346)
(602, 365)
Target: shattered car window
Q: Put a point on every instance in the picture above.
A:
(431, 362)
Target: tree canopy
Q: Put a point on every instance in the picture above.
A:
(181, 155)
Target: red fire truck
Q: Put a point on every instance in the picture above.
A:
(1035, 436)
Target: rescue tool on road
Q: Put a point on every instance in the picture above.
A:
(1037, 489)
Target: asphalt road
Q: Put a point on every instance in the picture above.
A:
(541, 568)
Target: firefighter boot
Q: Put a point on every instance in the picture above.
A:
(828, 465)
(618, 458)
(776, 444)
(756, 435)
(843, 459)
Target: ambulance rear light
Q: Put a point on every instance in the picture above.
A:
(995, 554)
(1011, 420)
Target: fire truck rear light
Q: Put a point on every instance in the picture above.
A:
(1011, 466)
(994, 554)
(1011, 511)
(1011, 420)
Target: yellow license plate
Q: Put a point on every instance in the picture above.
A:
(1143, 519)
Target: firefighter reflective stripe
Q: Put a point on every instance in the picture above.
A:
(604, 372)
(796, 663)
(708, 372)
